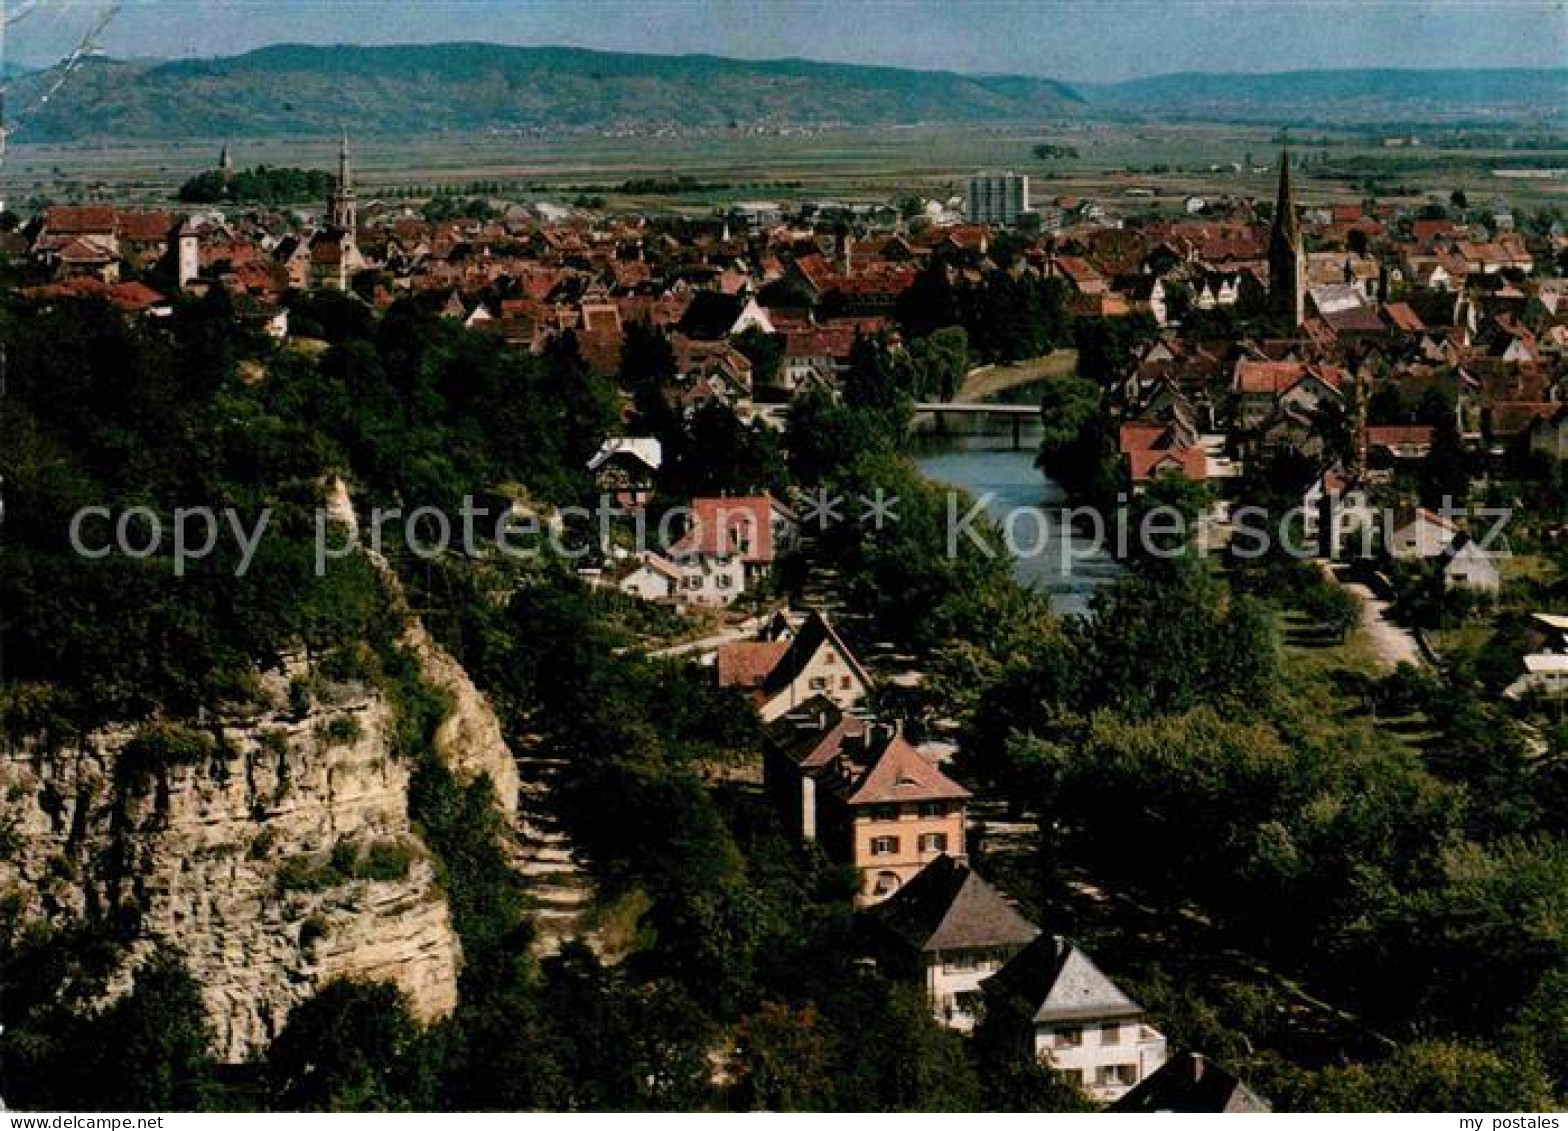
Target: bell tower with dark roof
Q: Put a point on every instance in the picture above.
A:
(1287, 261)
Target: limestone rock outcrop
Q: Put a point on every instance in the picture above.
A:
(275, 853)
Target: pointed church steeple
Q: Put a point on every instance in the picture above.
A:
(343, 208)
(345, 174)
(1287, 260)
(226, 162)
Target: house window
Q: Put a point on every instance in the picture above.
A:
(1067, 1038)
(830, 659)
(933, 808)
(818, 683)
(843, 683)
(933, 842)
(887, 883)
(884, 846)
(884, 813)
(1116, 1075)
(723, 581)
(1110, 1034)
(961, 960)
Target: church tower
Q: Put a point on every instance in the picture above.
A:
(226, 163)
(1287, 261)
(342, 209)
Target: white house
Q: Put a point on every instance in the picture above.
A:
(1337, 516)
(710, 582)
(1416, 534)
(651, 578)
(1053, 1003)
(1545, 673)
(783, 675)
(1464, 565)
(753, 528)
(952, 930)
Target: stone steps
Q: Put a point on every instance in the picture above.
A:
(559, 887)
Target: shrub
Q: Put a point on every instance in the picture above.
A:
(159, 746)
(388, 859)
(341, 730)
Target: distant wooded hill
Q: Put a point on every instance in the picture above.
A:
(285, 90)
(1340, 97)
(304, 90)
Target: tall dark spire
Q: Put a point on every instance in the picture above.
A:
(1286, 227)
(342, 208)
(1287, 260)
(345, 175)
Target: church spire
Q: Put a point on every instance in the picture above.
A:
(1287, 260)
(1286, 226)
(345, 175)
(342, 208)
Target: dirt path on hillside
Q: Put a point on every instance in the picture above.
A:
(1393, 643)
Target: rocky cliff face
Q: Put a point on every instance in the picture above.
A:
(276, 854)
(469, 739)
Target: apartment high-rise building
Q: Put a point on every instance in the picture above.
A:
(997, 198)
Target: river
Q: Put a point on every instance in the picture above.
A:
(981, 460)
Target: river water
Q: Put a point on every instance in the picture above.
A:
(1052, 557)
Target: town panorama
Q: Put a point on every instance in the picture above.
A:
(800, 563)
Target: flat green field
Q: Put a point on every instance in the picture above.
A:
(1142, 166)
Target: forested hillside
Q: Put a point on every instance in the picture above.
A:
(414, 90)
(1350, 889)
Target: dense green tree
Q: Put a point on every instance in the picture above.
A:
(1430, 1076)
(156, 1045)
(782, 1060)
(260, 185)
(1077, 444)
(1335, 609)
(353, 1047)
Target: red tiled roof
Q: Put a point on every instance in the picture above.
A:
(746, 664)
(720, 526)
(1187, 463)
(1140, 435)
(145, 227)
(1399, 435)
(901, 774)
(1277, 377)
(81, 220)
(1404, 318)
(836, 342)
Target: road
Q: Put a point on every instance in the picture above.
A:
(992, 380)
(745, 630)
(1392, 643)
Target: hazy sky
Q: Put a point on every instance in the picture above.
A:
(1073, 39)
